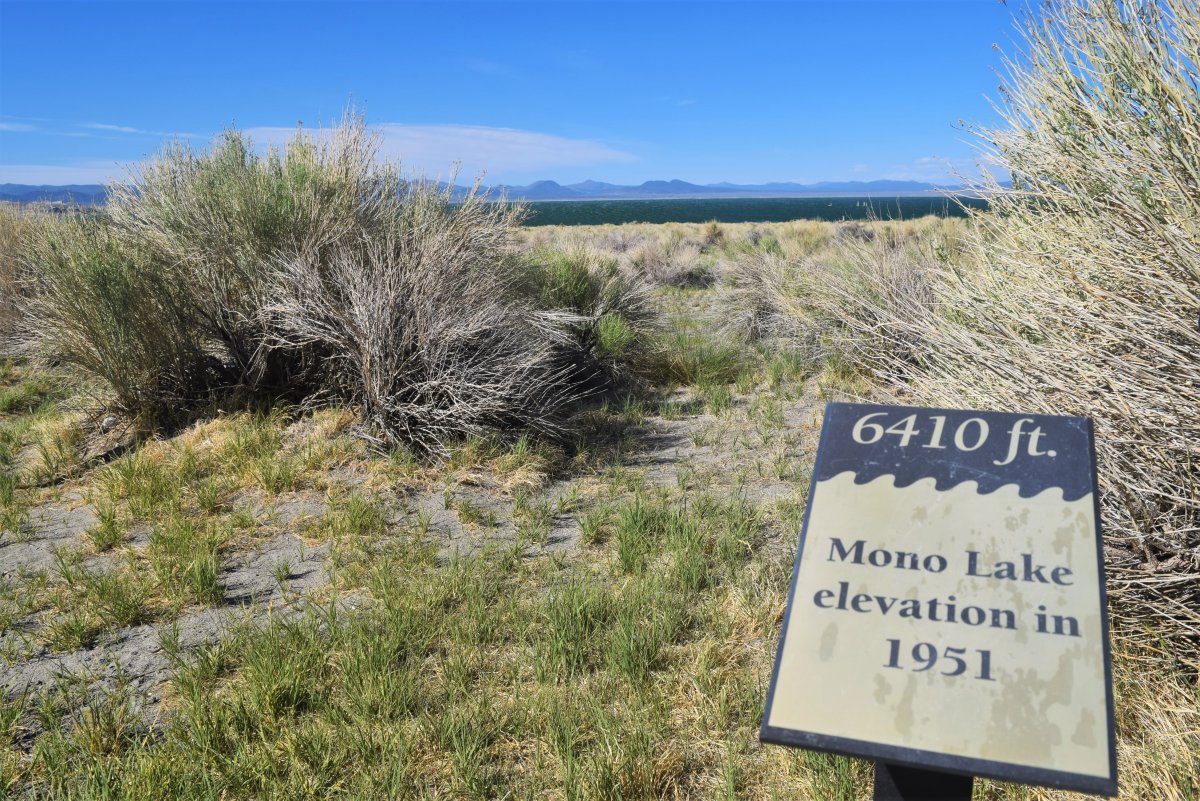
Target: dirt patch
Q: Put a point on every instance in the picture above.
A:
(273, 571)
(48, 526)
(755, 446)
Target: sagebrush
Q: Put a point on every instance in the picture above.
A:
(1077, 293)
(316, 271)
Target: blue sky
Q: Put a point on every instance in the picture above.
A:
(625, 92)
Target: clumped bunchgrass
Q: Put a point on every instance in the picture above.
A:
(816, 309)
(608, 313)
(698, 357)
(184, 558)
(19, 228)
(119, 597)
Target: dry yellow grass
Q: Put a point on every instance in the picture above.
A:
(16, 226)
(686, 727)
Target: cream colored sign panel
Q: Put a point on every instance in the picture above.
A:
(947, 606)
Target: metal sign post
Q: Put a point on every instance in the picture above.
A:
(947, 613)
(898, 783)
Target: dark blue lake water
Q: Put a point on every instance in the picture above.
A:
(731, 210)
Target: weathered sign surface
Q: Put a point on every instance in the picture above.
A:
(947, 607)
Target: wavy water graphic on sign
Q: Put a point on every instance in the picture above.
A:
(1012, 490)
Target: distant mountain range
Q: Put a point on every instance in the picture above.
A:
(596, 190)
(85, 194)
(94, 194)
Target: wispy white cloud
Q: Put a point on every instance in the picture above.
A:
(433, 149)
(20, 127)
(91, 172)
(100, 126)
(936, 170)
(125, 129)
(430, 150)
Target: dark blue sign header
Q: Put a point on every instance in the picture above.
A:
(1035, 452)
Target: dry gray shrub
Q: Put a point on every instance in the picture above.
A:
(618, 241)
(308, 272)
(757, 301)
(18, 231)
(162, 297)
(713, 236)
(854, 230)
(861, 304)
(1082, 293)
(214, 222)
(424, 334)
(674, 261)
(1089, 294)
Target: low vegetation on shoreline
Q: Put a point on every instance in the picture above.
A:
(596, 615)
(313, 485)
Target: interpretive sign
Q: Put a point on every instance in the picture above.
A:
(947, 608)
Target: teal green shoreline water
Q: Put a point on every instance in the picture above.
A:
(731, 210)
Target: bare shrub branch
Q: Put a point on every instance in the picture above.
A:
(422, 330)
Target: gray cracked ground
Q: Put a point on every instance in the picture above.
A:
(273, 575)
(279, 573)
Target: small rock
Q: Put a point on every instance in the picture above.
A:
(108, 424)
